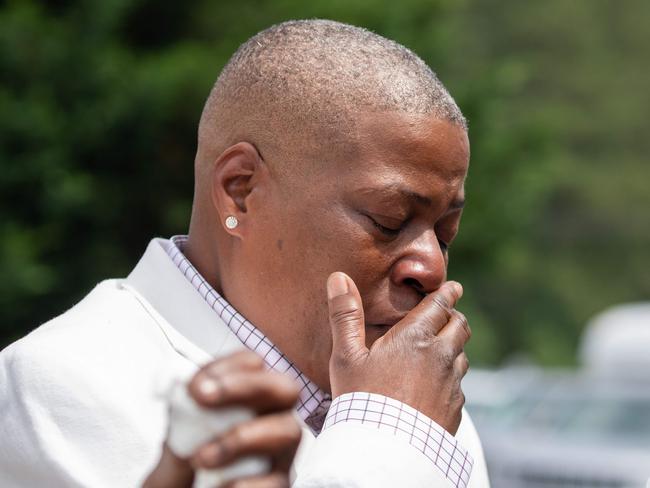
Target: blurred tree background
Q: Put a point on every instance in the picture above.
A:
(99, 102)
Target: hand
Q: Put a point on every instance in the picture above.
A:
(239, 380)
(420, 361)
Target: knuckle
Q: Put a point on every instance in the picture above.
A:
(440, 350)
(346, 315)
(460, 317)
(441, 302)
(236, 438)
(281, 385)
(252, 359)
(465, 362)
(462, 320)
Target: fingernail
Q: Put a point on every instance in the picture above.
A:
(208, 386)
(458, 288)
(337, 285)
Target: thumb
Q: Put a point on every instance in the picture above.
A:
(346, 317)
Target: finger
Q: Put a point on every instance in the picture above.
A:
(204, 380)
(272, 480)
(346, 318)
(456, 332)
(244, 360)
(461, 364)
(276, 436)
(263, 391)
(171, 472)
(432, 313)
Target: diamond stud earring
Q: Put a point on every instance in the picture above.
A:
(231, 222)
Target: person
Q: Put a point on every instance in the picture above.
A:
(329, 185)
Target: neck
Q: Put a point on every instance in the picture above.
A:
(201, 251)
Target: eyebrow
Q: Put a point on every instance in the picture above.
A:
(456, 204)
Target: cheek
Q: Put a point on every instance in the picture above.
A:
(350, 248)
(291, 259)
(300, 250)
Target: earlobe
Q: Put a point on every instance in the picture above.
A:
(232, 183)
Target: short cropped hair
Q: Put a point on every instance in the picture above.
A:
(309, 77)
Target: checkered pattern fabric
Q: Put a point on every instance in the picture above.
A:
(408, 424)
(315, 406)
(313, 402)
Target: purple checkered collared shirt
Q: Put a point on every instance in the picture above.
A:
(316, 407)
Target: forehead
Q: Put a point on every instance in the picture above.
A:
(420, 151)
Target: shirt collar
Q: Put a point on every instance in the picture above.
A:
(313, 402)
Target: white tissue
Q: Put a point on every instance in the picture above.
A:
(191, 426)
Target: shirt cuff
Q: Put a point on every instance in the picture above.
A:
(407, 423)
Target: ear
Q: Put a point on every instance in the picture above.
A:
(235, 174)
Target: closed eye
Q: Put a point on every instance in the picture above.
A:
(389, 231)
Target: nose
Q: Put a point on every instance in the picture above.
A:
(422, 265)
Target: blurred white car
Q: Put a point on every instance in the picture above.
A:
(616, 343)
(563, 428)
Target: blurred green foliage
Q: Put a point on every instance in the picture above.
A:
(100, 100)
